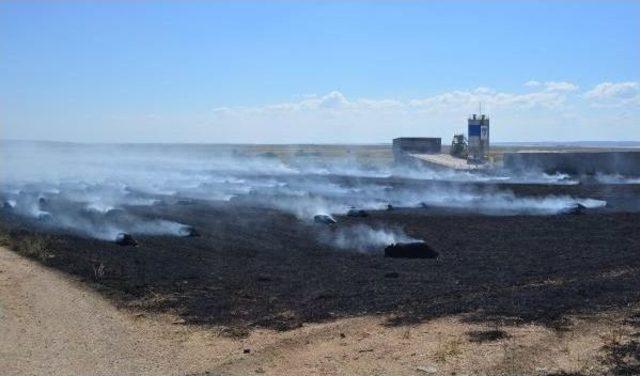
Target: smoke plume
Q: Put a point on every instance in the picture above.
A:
(92, 189)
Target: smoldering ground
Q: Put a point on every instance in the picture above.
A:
(257, 266)
(262, 261)
(89, 190)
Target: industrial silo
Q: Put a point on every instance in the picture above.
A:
(478, 137)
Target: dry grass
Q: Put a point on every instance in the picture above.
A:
(34, 246)
(448, 349)
(5, 240)
(443, 346)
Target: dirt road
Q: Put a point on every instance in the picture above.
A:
(51, 325)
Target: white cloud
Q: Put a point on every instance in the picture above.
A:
(456, 100)
(459, 101)
(615, 94)
(607, 90)
(333, 100)
(560, 86)
(552, 85)
(549, 110)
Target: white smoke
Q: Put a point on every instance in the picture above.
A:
(365, 238)
(616, 179)
(89, 189)
(527, 177)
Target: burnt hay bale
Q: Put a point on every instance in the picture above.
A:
(410, 250)
(125, 239)
(357, 213)
(189, 232)
(324, 219)
(576, 209)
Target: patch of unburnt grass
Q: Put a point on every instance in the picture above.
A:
(448, 349)
(28, 244)
(622, 352)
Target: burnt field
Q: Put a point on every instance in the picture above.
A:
(229, 235)
(256, 266)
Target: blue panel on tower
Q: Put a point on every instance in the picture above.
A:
(474, 130)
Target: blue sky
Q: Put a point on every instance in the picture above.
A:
(317, 71)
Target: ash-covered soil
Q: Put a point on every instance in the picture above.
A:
(258, 267)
